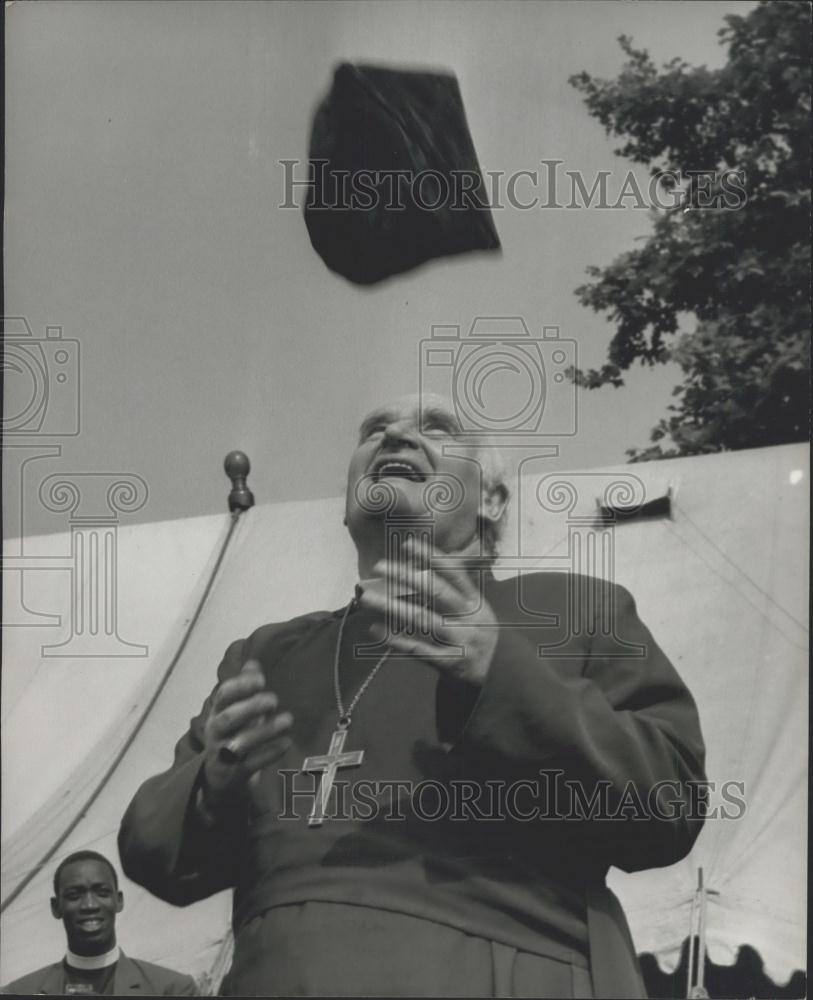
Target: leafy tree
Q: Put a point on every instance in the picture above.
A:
(739, 275)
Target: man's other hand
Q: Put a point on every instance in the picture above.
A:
(243, 734)
(444, 609)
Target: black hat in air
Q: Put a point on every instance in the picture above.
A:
(396, 180)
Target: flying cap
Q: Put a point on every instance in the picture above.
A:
(396, 180)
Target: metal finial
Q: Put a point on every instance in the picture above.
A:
(237, 467)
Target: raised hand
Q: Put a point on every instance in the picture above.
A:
(447, 610)
(243, 734)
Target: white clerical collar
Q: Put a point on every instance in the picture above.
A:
(93, 961)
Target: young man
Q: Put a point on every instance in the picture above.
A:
(87, 900)
(379, 784)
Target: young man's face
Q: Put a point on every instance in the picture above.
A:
(87, 904)
(406, 454)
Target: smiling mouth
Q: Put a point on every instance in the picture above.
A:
(91, 925)
(393, 469)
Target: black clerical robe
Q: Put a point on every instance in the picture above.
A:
(551, 771)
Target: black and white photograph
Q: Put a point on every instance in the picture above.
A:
(405, 451)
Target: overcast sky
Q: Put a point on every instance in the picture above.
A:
(142, 192)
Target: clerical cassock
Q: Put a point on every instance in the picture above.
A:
(464, 843)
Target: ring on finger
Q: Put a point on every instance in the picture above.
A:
(231, 753)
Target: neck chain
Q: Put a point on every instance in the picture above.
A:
(345, 714)
(327, 764)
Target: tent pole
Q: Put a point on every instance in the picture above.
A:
(701, 943)
(697, 984)
(689, 976)
(690, 970)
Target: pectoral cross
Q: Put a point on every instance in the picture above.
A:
(329, 763)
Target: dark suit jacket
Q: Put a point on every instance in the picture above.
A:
(133, 978)
(577, 682)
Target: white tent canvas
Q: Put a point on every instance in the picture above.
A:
(721, 580)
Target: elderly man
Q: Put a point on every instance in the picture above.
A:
(87, 900)
(382, 785)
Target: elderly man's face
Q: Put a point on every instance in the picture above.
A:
(394, 450)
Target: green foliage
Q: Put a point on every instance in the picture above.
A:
(741, 275)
